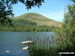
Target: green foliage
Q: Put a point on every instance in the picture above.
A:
(26, 28)
(38, 51)
(73, 1)
(42, 48)
(22, 22)
(65, 37)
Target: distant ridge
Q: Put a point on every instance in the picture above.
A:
(39, 19)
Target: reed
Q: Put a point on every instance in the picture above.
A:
(42, 47)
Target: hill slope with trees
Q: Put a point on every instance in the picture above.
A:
(35, 19)
(30, 22)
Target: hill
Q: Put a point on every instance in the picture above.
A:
(34, 19)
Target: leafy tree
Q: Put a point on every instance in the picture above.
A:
(65, 39)
(6, 8)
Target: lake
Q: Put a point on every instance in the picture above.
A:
(12, 41)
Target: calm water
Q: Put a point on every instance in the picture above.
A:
(12, 41)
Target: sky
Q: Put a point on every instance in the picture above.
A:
(52, 9)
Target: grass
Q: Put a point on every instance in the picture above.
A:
(42, 48)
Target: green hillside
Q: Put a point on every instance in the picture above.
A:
(34, 19)
(30, 22)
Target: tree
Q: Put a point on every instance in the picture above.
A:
(65, 39)
(6, 8)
